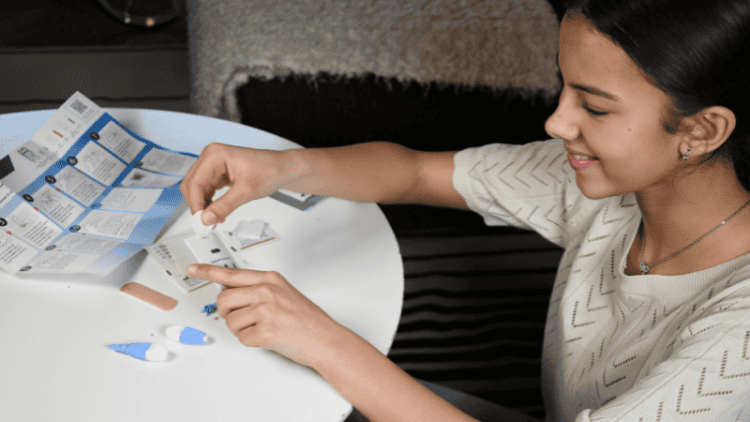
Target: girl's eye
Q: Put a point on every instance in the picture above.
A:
(593, 112)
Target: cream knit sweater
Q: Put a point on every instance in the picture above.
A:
(617, 347)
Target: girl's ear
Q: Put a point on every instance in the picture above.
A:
(708, 129)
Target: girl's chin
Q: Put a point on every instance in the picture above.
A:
(593, 190)
(595, 196)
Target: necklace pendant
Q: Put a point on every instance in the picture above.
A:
(644, 268)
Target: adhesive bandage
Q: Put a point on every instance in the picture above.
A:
(149, 295)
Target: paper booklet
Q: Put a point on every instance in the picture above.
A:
(84, 194)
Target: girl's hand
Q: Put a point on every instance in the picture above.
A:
(249, 173)
(263, 310)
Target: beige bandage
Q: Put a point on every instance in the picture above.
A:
(149, 295)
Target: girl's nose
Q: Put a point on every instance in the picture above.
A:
(561, 123)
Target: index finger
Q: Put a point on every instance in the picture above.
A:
(231, 277)
(201, 183)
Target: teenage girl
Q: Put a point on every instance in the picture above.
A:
(645, 185)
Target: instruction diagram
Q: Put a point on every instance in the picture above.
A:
(84, 194)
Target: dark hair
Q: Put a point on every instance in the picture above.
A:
(696, 52)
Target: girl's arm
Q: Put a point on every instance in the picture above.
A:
(371, 172)
(378, 388)
(378, 172)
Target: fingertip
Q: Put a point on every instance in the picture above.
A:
(208, 218)
(192, 205)
(194, 199)
(230, 201)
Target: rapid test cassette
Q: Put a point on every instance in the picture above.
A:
(175, 254)
(208, 245)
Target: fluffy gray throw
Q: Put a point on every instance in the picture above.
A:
(496, 43)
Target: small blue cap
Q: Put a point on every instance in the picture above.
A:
(209, 309)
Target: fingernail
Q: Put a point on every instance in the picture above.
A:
(191, 270)
(210, 218)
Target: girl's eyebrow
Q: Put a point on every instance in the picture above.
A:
(595, 91)
(589, 89)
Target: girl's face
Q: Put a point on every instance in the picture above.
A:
(610, 113)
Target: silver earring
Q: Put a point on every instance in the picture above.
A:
(686, 157)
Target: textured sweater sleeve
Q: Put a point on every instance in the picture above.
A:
(701, 372)
(528, 186)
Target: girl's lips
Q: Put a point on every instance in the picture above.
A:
(580, 164)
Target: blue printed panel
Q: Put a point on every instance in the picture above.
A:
(88, 180)
(103, 181)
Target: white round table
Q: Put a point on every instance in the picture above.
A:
(55, 363)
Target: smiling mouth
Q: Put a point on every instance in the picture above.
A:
(584, 157)
(581, 162)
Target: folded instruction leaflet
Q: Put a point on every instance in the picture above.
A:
(84, 194)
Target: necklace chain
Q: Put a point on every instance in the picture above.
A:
(645, 268)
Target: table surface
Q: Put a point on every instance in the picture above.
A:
(54, 361)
